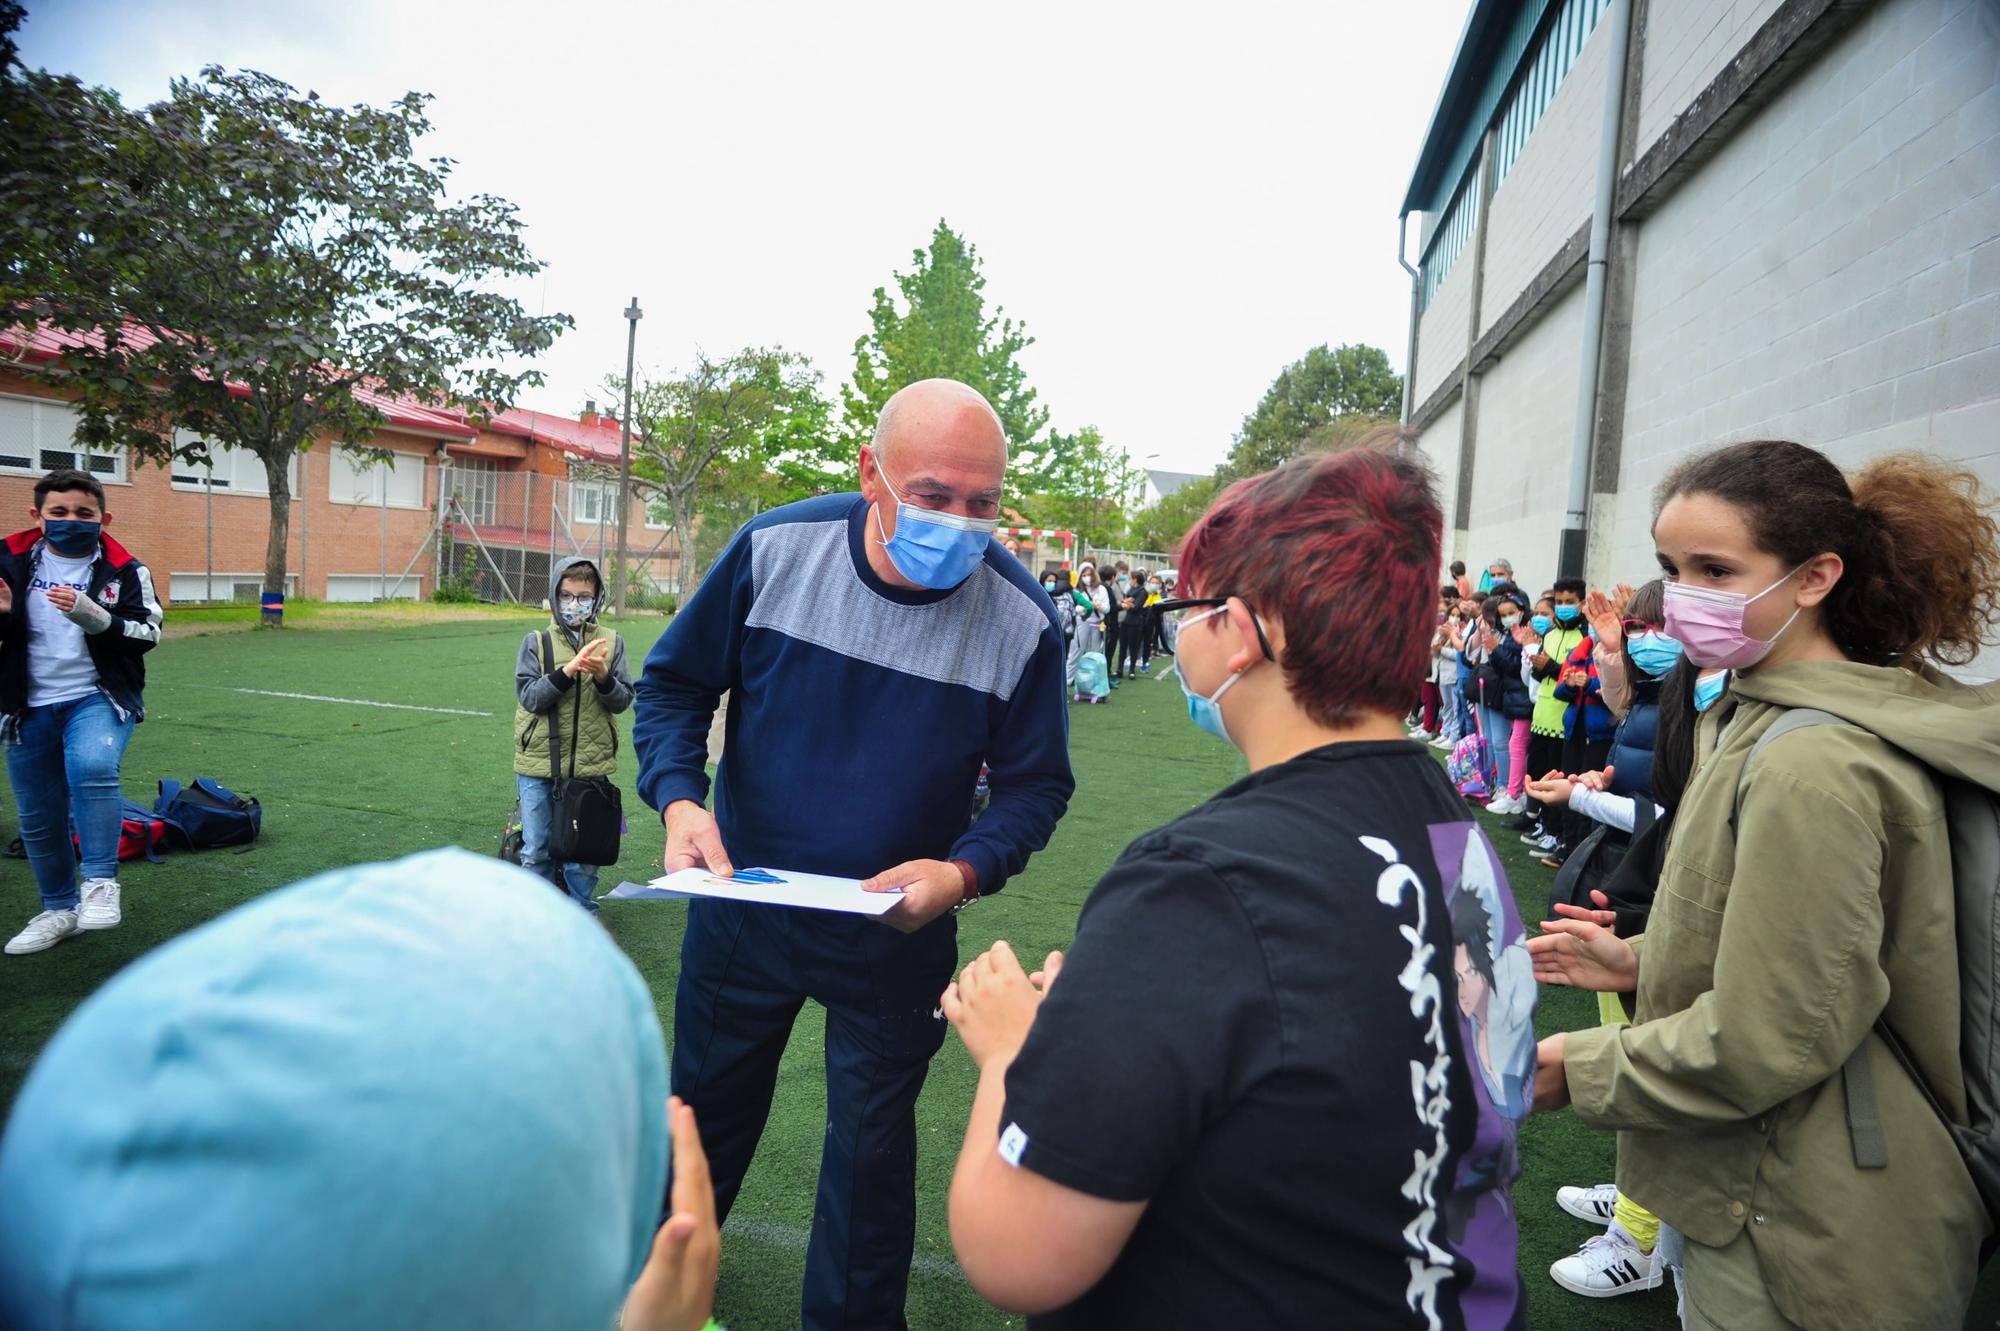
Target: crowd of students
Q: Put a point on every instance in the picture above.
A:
(1111, 624)
(1278, 1077)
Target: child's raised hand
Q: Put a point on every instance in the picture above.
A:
(1555, 788)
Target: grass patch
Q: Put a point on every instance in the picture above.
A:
(342, 782)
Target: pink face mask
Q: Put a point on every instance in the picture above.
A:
(1709, 625)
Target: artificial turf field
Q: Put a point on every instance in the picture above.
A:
(342, 782)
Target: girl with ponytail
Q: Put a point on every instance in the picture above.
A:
(1804, 915)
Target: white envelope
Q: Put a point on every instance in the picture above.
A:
(804, 891)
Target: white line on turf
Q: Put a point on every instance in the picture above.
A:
(352, 702)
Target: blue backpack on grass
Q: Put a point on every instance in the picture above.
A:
(206, 814)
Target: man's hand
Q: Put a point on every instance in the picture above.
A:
(994, 1002)
(930, 888)
(63, 598)
(1551, 1081)
(676, 1290)
(693, 840)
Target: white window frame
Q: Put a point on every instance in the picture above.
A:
(355, 465)
(601, 491)
(180, 579)
(481, 500)
(229, 471)
(45, 440)
(665, 523)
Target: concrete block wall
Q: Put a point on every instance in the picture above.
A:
(1439, 443)
(1546, 195)
(1833, 275)
(1441, 330)
(1687, 44)
(1520, 483)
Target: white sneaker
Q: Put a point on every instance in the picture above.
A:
(1506, 804)
(1420, 734)
(1608, 1265)
(1442, 743)
(100, 905)
(1593, 1204)
(43, 932)
(1546, 844)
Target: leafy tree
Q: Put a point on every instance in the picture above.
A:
(256, 267)
(1160, 526)
(1078, 483)
(941, 331)
(702, 442)
(1320, 387)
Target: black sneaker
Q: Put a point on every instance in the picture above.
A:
(1520, 822)
(1554, 859)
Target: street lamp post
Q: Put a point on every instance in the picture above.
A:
(632, 316)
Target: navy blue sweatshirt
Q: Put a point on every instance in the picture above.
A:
(859, 712)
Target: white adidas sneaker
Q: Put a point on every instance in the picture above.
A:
(1593, 1204)
(43, 932)
(1608, 1265)
(100, 908)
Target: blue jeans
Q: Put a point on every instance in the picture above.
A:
(579, 880)
(1498, 731)
(67, 764)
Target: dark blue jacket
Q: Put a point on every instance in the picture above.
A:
(119, 583)
(1514, 701)
(1599, 724)
(1631, 756)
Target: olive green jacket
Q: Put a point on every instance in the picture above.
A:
(1769, 956)
(586, 712)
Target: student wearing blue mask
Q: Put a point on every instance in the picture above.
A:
(425, 1094)
(877, 649)
(1172, 1126)
(77, 616)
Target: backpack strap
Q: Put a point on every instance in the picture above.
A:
(1857, 1074)
(555, 713)
(221, 794)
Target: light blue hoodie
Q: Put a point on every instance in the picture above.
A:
(427, 1094)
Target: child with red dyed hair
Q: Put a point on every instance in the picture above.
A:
(1212, 1120)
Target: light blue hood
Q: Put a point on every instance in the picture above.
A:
(426, 1094)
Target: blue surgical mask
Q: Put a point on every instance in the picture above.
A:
(1542, 623)
(1123, 583)
(71, 537)
(1206, 711)
(931, 549)
(1566, 613)
(1654, 653)
(1706, 691)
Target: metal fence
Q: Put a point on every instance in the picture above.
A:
(500, 533)
(1146, 559)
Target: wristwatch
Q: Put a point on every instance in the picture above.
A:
(971, 877)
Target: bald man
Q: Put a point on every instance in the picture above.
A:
(877, 649)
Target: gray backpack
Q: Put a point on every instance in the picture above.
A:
(1972, 815)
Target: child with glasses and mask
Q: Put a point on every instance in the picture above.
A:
(1206, 1114)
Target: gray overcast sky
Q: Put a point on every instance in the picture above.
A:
(1178, 202)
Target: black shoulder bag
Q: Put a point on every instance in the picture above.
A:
(587, 815)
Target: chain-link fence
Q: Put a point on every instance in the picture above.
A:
(500, 534)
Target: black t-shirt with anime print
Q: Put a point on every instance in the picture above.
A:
(1299, 1023)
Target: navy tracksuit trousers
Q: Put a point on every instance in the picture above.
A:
(745, 972)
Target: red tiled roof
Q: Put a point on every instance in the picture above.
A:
(46, 343)
(597, 440)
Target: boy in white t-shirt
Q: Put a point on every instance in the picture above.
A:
(77, 616)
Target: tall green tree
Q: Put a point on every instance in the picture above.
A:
(941, 329)
(1160, 526)
(1079, 483)
(1322, 386)
(704, 443)
(255, 267)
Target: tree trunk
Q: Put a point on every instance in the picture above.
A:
(277, 473)
(691, 569)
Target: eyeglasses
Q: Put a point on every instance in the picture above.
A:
(1175, 612)
(1634, 627)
